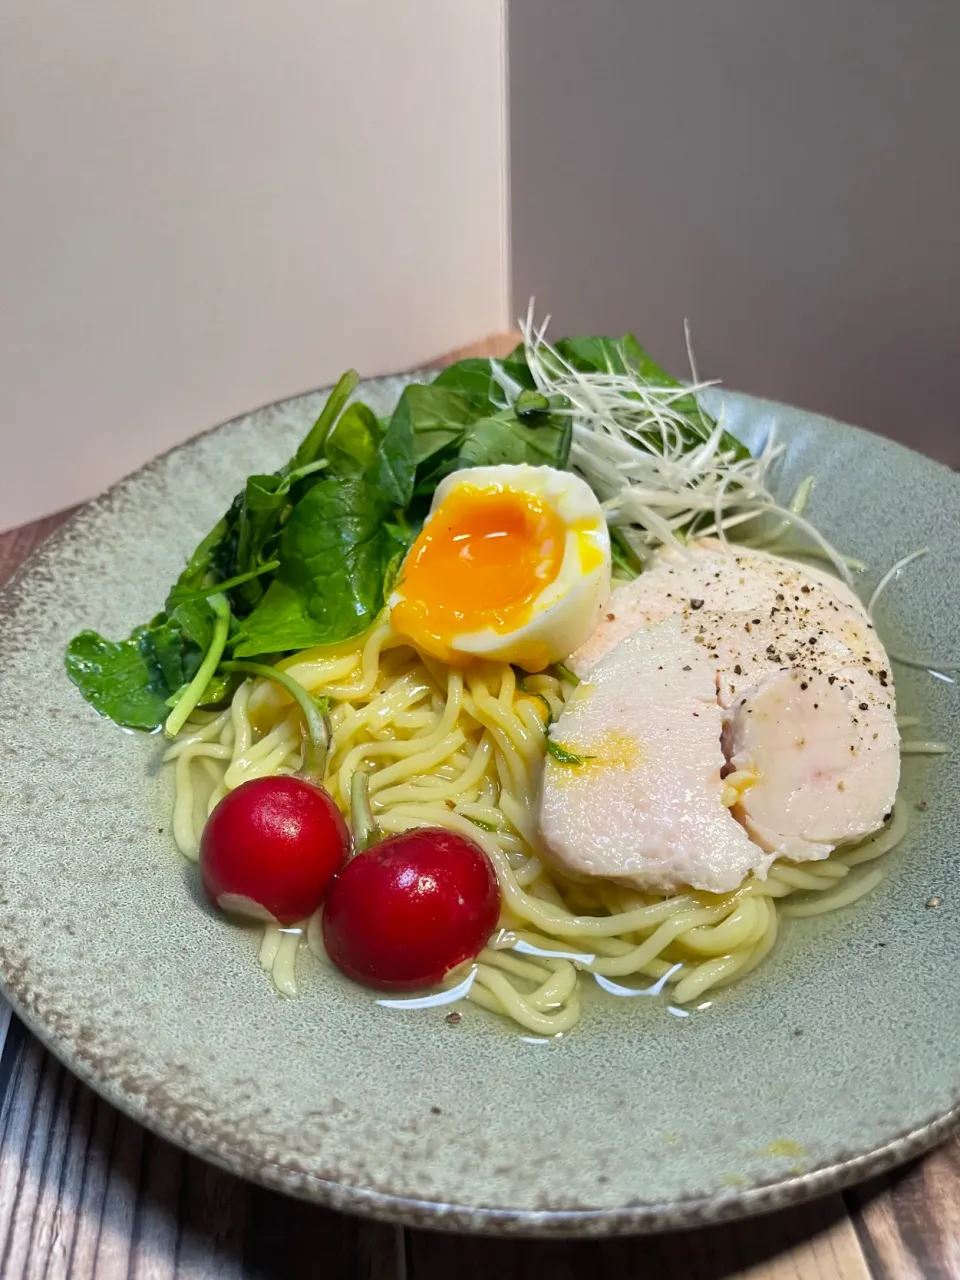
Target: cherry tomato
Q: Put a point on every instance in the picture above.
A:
(271, 848)
(405, 912)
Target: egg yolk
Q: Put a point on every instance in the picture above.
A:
(481, 561)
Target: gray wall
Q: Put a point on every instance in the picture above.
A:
(787, 175)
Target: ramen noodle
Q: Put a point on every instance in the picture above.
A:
(464, 749)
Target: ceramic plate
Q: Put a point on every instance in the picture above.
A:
(838, 1058)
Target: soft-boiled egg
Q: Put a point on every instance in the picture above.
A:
(512, 564)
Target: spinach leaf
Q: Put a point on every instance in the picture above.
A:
(191, 695)
(393, 468)
(313, 444)
(472, 380)
(130, 680)
(452, 429)
(242, 543)
(306, 556)
(434, 418)
(182, 594)
(333, 554)
(478, 379)
(505, 439)
(205, 555)
(351, 447)
(382, 454)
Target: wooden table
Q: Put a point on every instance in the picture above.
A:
(86, 1192)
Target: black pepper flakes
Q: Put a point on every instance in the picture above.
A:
(696, 604)
(688, 668)
(864, 706)
(738, 670)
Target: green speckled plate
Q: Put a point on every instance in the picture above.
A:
(837, 1059)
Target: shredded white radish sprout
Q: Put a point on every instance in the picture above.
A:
(631, 443)
(892, 573)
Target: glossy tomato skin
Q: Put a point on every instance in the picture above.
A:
(404, 913)
(275, 844)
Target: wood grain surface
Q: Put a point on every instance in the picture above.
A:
(85, 1192)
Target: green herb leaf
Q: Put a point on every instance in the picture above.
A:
(393, 468)
(628, 563)
(194, 693)
(333, 554)
(313, 445)
(505, 439)
(181, 595)
(435, 418)
(566, 674)
(352, 445)
(203, 558)
(130, 680)
(478, 380)
(562, 755)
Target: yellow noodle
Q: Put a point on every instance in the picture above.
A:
(465, 750)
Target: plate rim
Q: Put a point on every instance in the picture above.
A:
(648, 1218)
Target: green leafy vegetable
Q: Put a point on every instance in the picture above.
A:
(131, 680)
(566, 674)
(452, 429)
(313, 444)
(190, 697)
(314, 711)
(626, 560)
(308, 555)
(564, 756)
(353, 443)
(626, 356)
(333, 554)
(481, 381)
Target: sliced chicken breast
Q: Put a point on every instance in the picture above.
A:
(645, 803)
(709, 576)
(804, 702)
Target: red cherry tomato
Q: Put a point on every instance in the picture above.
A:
(411, 908)
(271, 848)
